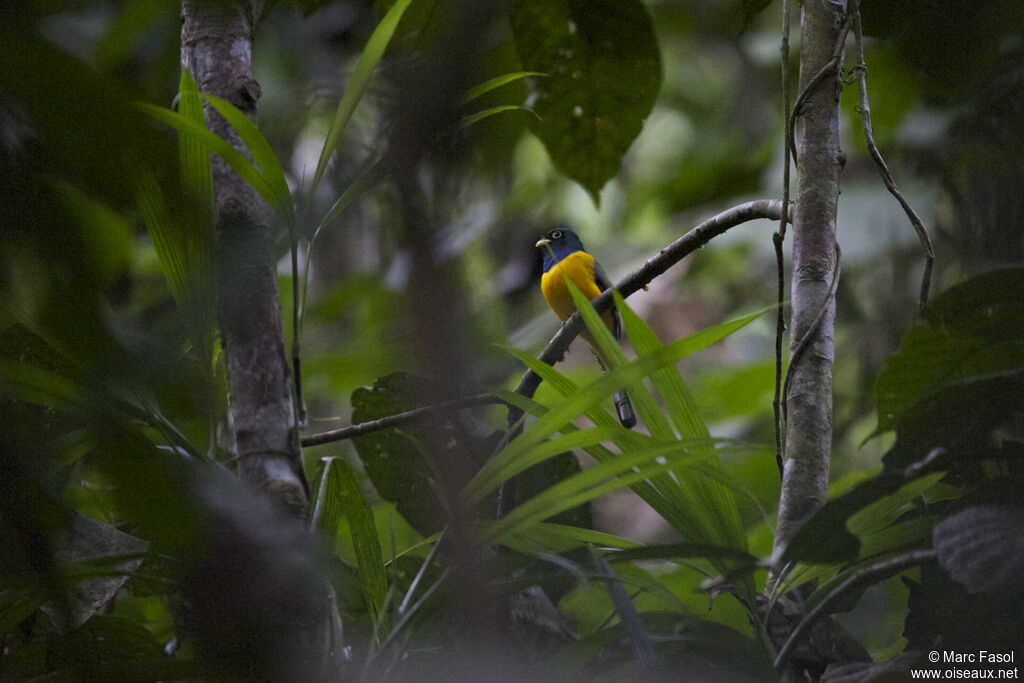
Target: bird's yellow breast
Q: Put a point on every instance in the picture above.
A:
(579, 268)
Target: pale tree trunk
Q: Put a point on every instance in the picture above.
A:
(809, 401)
(216, 47)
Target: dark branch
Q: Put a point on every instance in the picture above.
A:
(396, 419)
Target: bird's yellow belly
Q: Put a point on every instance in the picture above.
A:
(579, 268)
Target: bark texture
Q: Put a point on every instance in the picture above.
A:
(809, 400)
(216, 47)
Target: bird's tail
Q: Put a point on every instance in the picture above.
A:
(624, 408)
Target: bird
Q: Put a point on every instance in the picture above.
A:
(565, 257)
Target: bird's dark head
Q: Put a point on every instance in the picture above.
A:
(558, 243)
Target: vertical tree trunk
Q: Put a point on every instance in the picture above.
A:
(216, 47)
(809, 400)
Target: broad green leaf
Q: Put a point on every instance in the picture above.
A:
(884, 511)
(832, 535)
(976, 329)
(604, 73)
(357, 83)
(402, 469)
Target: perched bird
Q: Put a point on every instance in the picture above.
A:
(564, 257)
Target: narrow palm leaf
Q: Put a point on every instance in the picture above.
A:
(357, 83)
(261, 152)
(496, 82)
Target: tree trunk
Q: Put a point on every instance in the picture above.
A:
(216, 47)
(809, 399)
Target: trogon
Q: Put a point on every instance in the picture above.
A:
(565, 257)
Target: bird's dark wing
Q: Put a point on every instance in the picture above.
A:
(603, 283)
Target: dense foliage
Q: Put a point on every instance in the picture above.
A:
(411, 184)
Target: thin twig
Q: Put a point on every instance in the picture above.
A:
(867, 575)
(696, 238)
(805, 341)
(864, 108)
(777, 240)
(830, 67)
(396, 419)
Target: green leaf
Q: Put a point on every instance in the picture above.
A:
(185, 260)
(106, 236)
(602, 338)
(261, 152)
(196, 174)
(932, 358)
(561, 538)
(975, 329)
(990, 305)
(496, 82)
(604, 74)
(494, 477)
(401, 469)
(662, 493)
(587, 485)
(667, 381)
(357, 83)
(677, 551)
(367, 179)
(216, 145)
(341, 497)
(468, 121)
(831, 535)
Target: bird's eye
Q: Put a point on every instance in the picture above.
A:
(556, 235)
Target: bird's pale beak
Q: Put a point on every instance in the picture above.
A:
(543, 242)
